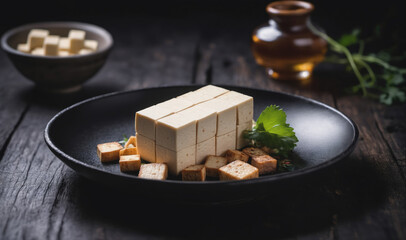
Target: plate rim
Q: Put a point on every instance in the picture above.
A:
(269, 178)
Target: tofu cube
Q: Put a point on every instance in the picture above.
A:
(51, 45)
(130, 163)
(63, 53)
(195, 97)
(252, 152)
(176, 132)
(213, 164)
(77, 40)
(204, 149)
(128, 151)
(176, 160)
(157, 171)
(23, 47)
(244, 103)
(175, 104)
(36, 38)
(108, 152)
(91, 45)
(194, 173)
(226, 115)
(233, 155)
(225, 142)
(206, 122)
(238, 170)
(212, 91)
(85, 51)
(241, 141)
(132, 140)
(146, 118)
(265, 164)
(64, 44)
(146, 148)
(38, 52)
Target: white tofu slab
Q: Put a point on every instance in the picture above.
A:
(206, 122)
(204, 149)
(226, 115)
(51, 45)
(225, 142)
(212, 91)
(176, 160)
(176, 131)
(36, 38)
(195, 97)
(244, 103)
(146, 118)
(240, 141)
(175, 105)
(146, 148)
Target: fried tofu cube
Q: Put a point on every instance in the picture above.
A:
(146, 148)
(38, 52)
(51, 45)
(158, 171)
(23, 47)
(233, 155)
(36, 38)
(128, 151)
(251, 151)
(238, 170)
(213, 164)
(91, 45)
(132, 140)
(77, 40)
(108, 152)
(265, 164)
(130, 163)
(194, 173)
(130, 146)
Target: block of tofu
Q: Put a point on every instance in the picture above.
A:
(226, 115)
(176, 131)
(146, 118)
(213, 164)
(84, 51)
(91, 45)
(233, 155)
(212, 91)
(38, 52)
(51, 45)
(205, 148)
(128, 151)
(176, 161)
(251, 151)
(225, 142)
(108, 152)
(206, 122)
(146, 148)
(195, 97)
(238, 170)
(194, 173)
(36, 38)
(157, 171)
(244, 103)
(63, 53)
(241, 141)
(64, 44)
(132, 140)
(23, 47)
(175, 104)
(265, 164)
(77, 40)
(130, 163)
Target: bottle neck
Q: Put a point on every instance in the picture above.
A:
(290, 23)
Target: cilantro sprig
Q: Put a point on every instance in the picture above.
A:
(271, 130)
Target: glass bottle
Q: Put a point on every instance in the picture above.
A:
(286, 46)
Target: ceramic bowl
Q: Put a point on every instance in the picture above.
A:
(54, 73)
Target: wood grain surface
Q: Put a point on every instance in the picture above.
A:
(41, 198)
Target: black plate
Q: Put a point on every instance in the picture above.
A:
(325, 137)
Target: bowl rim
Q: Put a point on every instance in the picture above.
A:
(62, 24)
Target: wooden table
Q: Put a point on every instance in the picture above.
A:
(41, 198)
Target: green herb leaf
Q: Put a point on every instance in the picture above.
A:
(125, 139)
(349, 39)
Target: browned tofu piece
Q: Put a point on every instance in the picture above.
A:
(194, 173)
(128, 151)
(131, 141)
(130, 163)
(238, 170)
(108, 152)
(157, 171)
(251, 151)
(268, 150)
(212, 165)
(233, 155)
(265, 164)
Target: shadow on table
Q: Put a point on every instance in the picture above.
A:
(310, 206)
